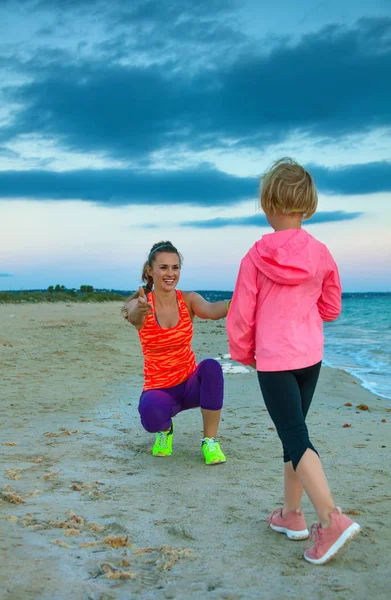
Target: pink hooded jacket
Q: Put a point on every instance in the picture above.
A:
(288, 283)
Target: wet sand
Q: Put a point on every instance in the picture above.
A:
(86, 511)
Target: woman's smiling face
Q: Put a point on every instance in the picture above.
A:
(165, 270)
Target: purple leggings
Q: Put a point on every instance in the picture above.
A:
(204, 388)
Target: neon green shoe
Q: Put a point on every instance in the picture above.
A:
(212, 451)
(163, 443)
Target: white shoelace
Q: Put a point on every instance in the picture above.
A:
(163, 437)
(210, 443)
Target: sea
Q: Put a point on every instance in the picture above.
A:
(359, 341)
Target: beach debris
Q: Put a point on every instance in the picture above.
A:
(61, 543)
(348, 404)
(362, 407)
(12, 497)
(271, 428)
(145, 550)
(33, 494)
(73, 517)
(168, 557)
(353, 512)
(109, 572)
(96, 527)
(12, 518)
(88, 544)
(60, 524)
(85, 420)
(346, 425)
(73, 522)
(72, 531)
(384, 421)
(125, 562)
(10, 444)
(78, 486)
(51, 475)
(64, 432)
(14, 474)
(229, 369)
(116, 541)
(37, 460)
(9, 495)
(30, 521)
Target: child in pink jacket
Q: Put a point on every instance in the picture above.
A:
(287, 285)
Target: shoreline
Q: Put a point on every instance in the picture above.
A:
(360, 381)
(80, 489)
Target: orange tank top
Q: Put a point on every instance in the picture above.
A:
(168, 356)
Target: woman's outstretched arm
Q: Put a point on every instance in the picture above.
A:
(206, 310)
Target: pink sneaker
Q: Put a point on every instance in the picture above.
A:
(329, 541)
(293, 525)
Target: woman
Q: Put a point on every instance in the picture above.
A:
(163, 317)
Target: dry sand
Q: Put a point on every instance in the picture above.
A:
(87, 513)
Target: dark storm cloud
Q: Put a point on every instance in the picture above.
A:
(330, 84)
(200, 186)
(366, 178)
(259, 220)
(203, 186)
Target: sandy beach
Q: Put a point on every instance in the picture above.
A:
(87, 513)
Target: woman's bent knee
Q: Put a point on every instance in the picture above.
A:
(210, 368)
(155, 412)
(210, 375)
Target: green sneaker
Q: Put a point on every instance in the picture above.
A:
(163, 443)
(212, 451)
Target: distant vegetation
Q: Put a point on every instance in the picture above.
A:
(59, 293)
(87, 293)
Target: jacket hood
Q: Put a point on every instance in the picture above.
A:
(288, 257)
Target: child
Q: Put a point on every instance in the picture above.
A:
(288, 283)
(173, 382)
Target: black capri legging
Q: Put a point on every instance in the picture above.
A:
(288, 396)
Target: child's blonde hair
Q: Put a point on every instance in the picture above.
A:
(288, 188)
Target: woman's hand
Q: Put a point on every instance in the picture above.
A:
(136, 310)
(143, 307)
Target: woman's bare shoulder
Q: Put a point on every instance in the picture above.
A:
(187, 297)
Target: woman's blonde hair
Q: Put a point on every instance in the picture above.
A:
(288, 188)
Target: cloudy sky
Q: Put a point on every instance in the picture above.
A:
(124, 123)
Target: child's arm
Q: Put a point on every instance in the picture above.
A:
(241, 314)
(330, 301)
